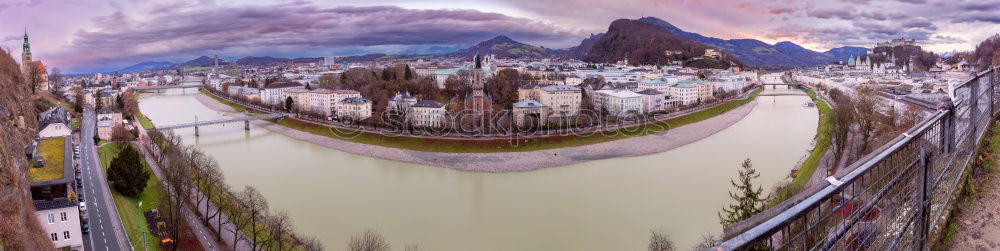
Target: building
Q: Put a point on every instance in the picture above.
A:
(427, 113)
(654, 101)
(618, 102)
(300, 98)
(530, 113)
(712, 53)
(478, 101)
(562, 100)
(402, 101)
(25, 53)
(441, 76)
(53, 193)
(115, 117)
(274, 93)
(105, 128)
(531, 91)
(54, 123)
(691, 91)
(356, 108)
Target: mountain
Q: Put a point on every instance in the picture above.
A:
(754, 52)
(642, 43)
(262, 61)
(505, 47)
(148, 66)
(577, 52)
(202, 61)
(846, 52)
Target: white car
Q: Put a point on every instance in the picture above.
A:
(83, 206)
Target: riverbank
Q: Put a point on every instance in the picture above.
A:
(518, 161)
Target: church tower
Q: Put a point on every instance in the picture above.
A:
(478, 101)
(26, 53)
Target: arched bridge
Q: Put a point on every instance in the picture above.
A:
(246, 122)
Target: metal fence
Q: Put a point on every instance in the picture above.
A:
(896, 197)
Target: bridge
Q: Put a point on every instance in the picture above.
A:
(782, 94)
(246, 122)
(164, 87)
(898, 197)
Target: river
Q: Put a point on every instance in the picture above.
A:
(610, 204)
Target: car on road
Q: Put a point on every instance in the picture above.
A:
(85, 227)
(83, 206)
(80, 197)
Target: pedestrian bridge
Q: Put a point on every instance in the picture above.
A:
(246, 122)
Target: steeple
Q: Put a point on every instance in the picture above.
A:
(479, 61)
(26, 52)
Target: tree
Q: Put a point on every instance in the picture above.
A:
(308, 87)
(996, 57)
(255, 206)
(866, 115)
(126, 172)
(840, 130)
(747, 199)
(279, 224)
(369, 240)
(130, 106)
(658, 241)
(120, 135)
(708, 241)
(78, 99)
(34, 77)
(289, 103)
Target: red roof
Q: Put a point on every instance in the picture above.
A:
(41, 67)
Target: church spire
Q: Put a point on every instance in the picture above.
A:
(26, 52)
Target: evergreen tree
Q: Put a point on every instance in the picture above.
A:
(126, 173)
(407, 73)
(288, 103)
(747, 199)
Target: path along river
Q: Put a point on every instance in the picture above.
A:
(610, 204)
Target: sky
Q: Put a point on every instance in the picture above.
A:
(103, 35)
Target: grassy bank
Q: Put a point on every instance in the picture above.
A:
(143, 120)
(509, 145)
(128, 207)
(235, 106)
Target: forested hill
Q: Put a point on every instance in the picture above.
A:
(642, 43)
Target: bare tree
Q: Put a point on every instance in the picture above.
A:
(213, 180)
(310, 244)
(34, 77)
(369, 240)
(708, 241)
(866, 114)
(658, 241)
(279, 225)
(255, 206)
(178, 178)
(239, 218)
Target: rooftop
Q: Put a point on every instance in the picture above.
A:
(528, 103)
(282, 85)
(53, 153)
(620, 93)
(554, 88)
(428, 103)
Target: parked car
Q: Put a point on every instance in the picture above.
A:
(83, 206)
(79, 196)
(85, 227)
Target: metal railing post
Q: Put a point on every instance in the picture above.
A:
(925, 200)
(973, 106)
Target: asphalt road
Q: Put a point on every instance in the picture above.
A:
(106, 232)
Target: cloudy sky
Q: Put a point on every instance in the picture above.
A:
(89, 35)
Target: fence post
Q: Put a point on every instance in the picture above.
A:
(925, 200)
(973, 107)
(947, 125)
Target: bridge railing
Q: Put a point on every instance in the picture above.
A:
(897, 197)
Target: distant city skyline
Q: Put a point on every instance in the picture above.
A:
(80, 36)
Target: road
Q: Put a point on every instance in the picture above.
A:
(106, 231)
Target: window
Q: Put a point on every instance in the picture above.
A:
(55, 237)
(52, 219)
(65, 235)
(62, 216)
